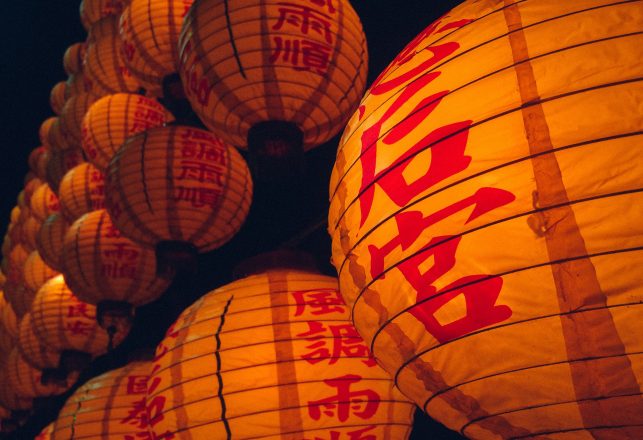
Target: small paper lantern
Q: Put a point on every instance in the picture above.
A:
(245, 64)
(110, 406)
(59, 163)
(43, 202)
(79, 84)
(37, 161)
(10, 399)
(49, 241)
(57, 96)
(272, 356)
(56, 139)
(26, 381)
(486, 220)
(149, 33)
(30, 228)
(104, 268)
(72, 116)
(8, 325)
(178, 185)
(114, 118)
(92, 11)
(44, 130)
(32, 350)
(19, 295)
(73, 58)
(82, 190)
(37, 272)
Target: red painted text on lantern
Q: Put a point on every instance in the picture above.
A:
(195, 85)
(137, 384)
(348, 399)
(79, 310)
(306, 20)
(302, 54)
(120, 261)
(332, 342)
(358, 434)
(318, 302)
(198, 197)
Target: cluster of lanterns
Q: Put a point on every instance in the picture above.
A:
(484, 214)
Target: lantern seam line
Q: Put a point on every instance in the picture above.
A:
(234, 46)
(219, 364)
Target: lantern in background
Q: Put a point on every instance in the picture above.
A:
(79, 84)
(44, 130)
(10, 400)
(104, 268)
(276, 78)
(57, 96)
(55, 139)
(32, 350)
(8, 325)
(73, 58)
(109, 406)
(30, 228)
(114, 118)
(178, 188)
(19, 295)
(72, 116)
(37, 272)
(36, 164)
(485, 217)
(149, 33)
(49, 241)
(59, 163)
(43, 202)
(272, 355)
(92, 11)
(26, 381)
(82, 190)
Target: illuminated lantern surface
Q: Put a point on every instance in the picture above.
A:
(60, 162)
(10, 399)
(36, 161)
(110, 406)
(81, 190)
(73, 58)
(79, 84)
(44, 130)
(45, 434)
(37, 272)
(100, 264)
(49, 241)
(57, 97)
(55, 139)
(485, 213)
(44, 202)
(8, 325)
(30, 229)
(92, 11)
(114, 118)
(244, 63)
(178, 184)
(25, 380)
(149, 33)
(72, 116)
(33, 351)
(272, 356)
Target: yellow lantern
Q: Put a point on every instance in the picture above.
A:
(110, 406)
(114, 118)
(149, 33)
(27, 381)
(43, 202)
(178, 188)
(37, 272)
(72, 116)
(49, 241)
(82, 190)
(104, 268)
(92, 11)
(32, 350)
(73, 58)
(301, 65)
(59, 163)
(485, 213)
(272, 356)
(57, 96)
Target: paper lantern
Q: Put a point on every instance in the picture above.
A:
(11, 400)
(49, 241)
(72, 116)
(45, 434)
(44, 130)
(26, 381)
(8, 325)
(32, 350)
(114, 118)
(30, 228)
(82, 190)
(149, 33)
(486, 225)
(57, 96)
(73, 58)
(92, 11)
(272, 355)
(104, 268)
(38, 161)
(59, 163)
(105, 67)
(20, 296)
(179, 185)
(37, 272)
(53, 136)
(302, 63)
(79, 84)
(110, 406)
(43, 202)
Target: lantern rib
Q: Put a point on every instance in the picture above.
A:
(241, 71)
(217, 355)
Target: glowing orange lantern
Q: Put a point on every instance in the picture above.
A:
(82, 190)
(258, 71)
(57, 96)
(43, 202)
(30, 228)
(44, 130)
(73, 58)
(114, 118)
(19, 295)
(37, 272)
(72, 116)
(59, 163)
(26, 381)
(104, 268)
(486, 215)
(92, 11)
(79, 84)
(11, 400)
(45, 434)
(272, 355)
(149, 33)
(111, 405)
(8, 325)
(49, 241)
(179, 189)
(37, 161)
(33, 351)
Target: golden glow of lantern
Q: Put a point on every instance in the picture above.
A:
(272, 355)
(26, 380)
(82, 190)
(243, 63)
(33, 351)
(8, 325)
(92, 11)
(44, 202)
(114, 118)
(57, 96)
(485, 213)
(178, 184)
(37, 272)
(49, 241)
(72, 116)
(111, 405)
(149, 32)
(60, 162)
(73, 58)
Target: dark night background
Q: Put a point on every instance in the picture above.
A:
(35, 34)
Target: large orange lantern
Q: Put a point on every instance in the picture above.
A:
(50, 238)
(73, 58)
(104, 268)
(59, 163)
(178, 188)
(258, 71)
(485, 213)
(81, 190)
(110, 406)
(92, 11)
(272, 355)
(44, 202)
(149, 33)
(114, 118)
(57, 96)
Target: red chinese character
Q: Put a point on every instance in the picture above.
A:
(137, 384)
(305, 19)
(137, 415)
(328, 4)
(79, 328)
(198, 196)
(200, 171)
(199, 150)
(362, 404)
(315, 57)
(322, 302)
(79, 310)
(346, 342)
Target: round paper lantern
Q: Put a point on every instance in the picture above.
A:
(79, 84)
(149, 33)
(53, 135)
(38, 161)
(45, 129)
(26, 381)
(111, 405)
(114, 118)
(64, 323)
(57, 96)
(10, 399)
(178, 187)
(73, 58)
(59, 163)
(301, 65)
(30, 228)
(72, 116)
(37, 272)
(272, 356)
(8, 325)
(49, 241)
(92, 11)
(43, 202)
(82, 190)
(485, 217)
(32, 350)
(19, 295)
(104, 268)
